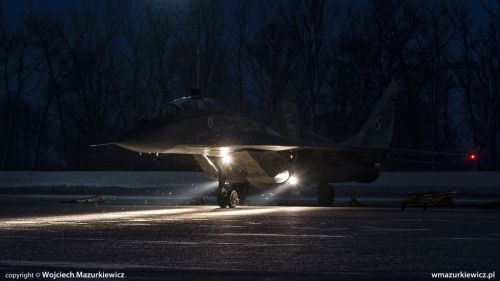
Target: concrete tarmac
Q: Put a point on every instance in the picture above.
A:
(148, 242)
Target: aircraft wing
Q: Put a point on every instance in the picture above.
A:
(383, 150)
(221, 143)
(218, 150)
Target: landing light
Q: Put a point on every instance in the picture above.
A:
(472, 156)
(227, 159)
(224, 151)
(293, 180)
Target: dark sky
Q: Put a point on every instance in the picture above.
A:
(15, 10)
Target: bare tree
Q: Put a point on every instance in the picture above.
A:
(350, 69)
(17, 77)
(462, 68)
(308, 23)
(94, 84)
(487, 99)
(160, 35)
(128, 17)
(272, 60)
(433, 53)
(242, 17)
(47, 41)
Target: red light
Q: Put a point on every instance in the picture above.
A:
(472, 156)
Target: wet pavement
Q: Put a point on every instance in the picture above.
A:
(247, 243)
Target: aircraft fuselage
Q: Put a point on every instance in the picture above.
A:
(212, 135)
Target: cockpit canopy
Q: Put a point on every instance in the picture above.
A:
(189, 105)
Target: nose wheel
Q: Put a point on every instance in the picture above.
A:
(230, 195)
(233, 199)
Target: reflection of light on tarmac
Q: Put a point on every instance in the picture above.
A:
(244, 212)
(280, 235)
(144, 216)
(21, 222)
(237, 212)
(91, 217)
(272, 195)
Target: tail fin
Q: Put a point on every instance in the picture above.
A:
(377, 131)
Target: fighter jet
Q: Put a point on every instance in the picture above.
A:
(238, 152)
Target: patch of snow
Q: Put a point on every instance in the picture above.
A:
(101, 179)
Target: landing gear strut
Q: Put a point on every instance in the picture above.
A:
(229, 196)
(222, 192)
(326, 194)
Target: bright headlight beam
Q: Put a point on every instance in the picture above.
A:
(224, 151)
(227, 159)
(282, 177)
(293, 180)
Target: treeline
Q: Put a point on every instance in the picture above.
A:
(70, 80)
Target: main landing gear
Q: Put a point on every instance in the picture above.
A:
(231, 195)
(326, 194)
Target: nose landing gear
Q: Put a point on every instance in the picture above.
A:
(233, 199)
(230, 195)
(222, 192)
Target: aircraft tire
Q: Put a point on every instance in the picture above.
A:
(232, 200)
(326, 194)
(242, 189)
